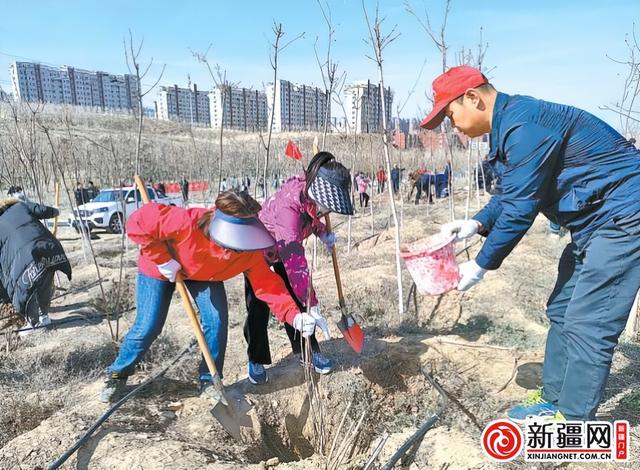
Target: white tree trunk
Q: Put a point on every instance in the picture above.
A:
(387, 160)
(631, 330)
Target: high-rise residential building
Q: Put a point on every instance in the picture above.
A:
(363, 106)
(297, 107)
(184, 105)
(239, 108)
(39, 83)
(401, 124)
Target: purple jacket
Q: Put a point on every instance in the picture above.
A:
(290, 217)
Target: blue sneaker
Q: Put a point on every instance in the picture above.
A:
(321, 363)
(257, 373)
(533, 406)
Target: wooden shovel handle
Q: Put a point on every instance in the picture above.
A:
(336, 269)
(184, 296)
(195, 324)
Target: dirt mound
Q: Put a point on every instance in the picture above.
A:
(388, 387)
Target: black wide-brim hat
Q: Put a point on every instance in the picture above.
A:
(331, 189)
(242, 234)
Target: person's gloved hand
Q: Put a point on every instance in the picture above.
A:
(329, 239)
(305, 324)
(170, 269)
(320, 321)
(470, 275)
(460, 228)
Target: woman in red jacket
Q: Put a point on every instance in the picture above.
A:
(381, 178)
(207, 247)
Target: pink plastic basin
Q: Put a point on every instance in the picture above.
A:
(432, 264)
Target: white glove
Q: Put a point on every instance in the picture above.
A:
(320, 321)
(329, 239)
(460, 228)
(470, 275)
(305, 324)
(170, 269)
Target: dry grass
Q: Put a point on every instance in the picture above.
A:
(21, 414)
(119, 296)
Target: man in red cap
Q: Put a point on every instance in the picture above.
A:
(580, 173)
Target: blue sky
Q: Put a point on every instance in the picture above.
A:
(549, 49)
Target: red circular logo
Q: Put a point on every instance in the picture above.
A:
(502, 440)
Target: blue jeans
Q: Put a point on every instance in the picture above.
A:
(588, 310)
(153, 299)
(554, 228)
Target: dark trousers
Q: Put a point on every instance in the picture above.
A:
(395, 184)
(364, 199)
(381, 187)
(426, 186)
(40, 300)
(588, 310)
(255, 326)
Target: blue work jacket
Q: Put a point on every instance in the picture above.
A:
(561, 161)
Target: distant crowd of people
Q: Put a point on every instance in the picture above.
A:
(240, 184)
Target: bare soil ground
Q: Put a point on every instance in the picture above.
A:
(484, 347)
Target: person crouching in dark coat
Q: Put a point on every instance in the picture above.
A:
(29, 257)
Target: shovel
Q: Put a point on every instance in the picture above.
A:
(231, 407)
(348, 326)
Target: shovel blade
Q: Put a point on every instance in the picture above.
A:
(234, 415)
(351, 332)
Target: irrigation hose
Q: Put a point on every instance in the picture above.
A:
(55, 323)
(422, 430)
(85, 437)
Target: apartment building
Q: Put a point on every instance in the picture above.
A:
(186, 105)
(363, 106)
(34, 82)
(297, 107)
(238, 108)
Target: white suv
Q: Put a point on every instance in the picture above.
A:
(112, 206)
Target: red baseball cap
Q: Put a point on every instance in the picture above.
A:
(449, 86)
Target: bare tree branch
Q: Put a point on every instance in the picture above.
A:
(219, 79)
(379, 41)
(625, 108)
(438, 37)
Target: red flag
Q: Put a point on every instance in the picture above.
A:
(292, 151)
